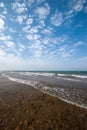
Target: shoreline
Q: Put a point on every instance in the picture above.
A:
(25, 82)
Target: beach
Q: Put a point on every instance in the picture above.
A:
(22, 107)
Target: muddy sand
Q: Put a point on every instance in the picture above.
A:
(22, 107)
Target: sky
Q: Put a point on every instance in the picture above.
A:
(43, 34)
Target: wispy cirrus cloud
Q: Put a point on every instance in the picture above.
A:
(77, 5)
(74, 7)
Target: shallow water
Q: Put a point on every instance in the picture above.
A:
(69, 87)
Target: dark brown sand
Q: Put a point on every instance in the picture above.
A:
(24, 108)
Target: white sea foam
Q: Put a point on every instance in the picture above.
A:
(27, 82)
(72, 75)
(70, 79)
(37, 73)
(80, 76)
(61, 76)
(47, 88)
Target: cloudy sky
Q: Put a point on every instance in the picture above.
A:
(43, 34)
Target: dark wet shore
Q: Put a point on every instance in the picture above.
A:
(24, 108)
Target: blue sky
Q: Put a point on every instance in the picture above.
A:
(43, 35)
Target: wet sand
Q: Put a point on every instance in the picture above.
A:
(22, 107)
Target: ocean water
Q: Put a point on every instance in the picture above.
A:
(69, 86)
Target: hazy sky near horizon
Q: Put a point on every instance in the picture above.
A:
(43, 34)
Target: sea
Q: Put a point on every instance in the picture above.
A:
(69, 86)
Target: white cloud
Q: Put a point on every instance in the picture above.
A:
(12, 62)
(34, 30)
(5, 38)
(36, 49)
(65, 54)
(32, 37)
(2, 16)
(69, 14)
(40, 1)
(55, 40)
(21, 47)
(29, 2)
(49, 46)
(43, 11)
(29, 37)
(5, 12)
(20, 10)
(10, 44)
(46, 41)
(20, 19)
(79, 43)
(2, 5)
(19, 7)
(38, 54)
(2, 23)
(78, 5)
(2, 53)
(13, 30)
(62, 48)
(42, 23)
(47, 31)
(36, 46)
(83, 58)
(26, 29)
(74, 6)
(65, 51)
(57, 19)
(29, 21)
(36, 36)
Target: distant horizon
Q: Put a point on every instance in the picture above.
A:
(45, 70)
